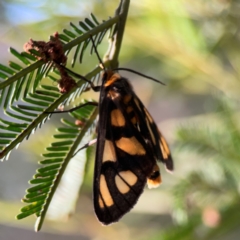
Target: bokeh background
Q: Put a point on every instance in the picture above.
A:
(193, 47)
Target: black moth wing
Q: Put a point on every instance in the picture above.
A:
(151, 133)
(124, 160)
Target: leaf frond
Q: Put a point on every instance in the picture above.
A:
(29, 95)
(23, 96)
(57, 157)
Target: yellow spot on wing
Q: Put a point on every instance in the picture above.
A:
(106, 196)
(164, 148)
(109, 152)
(165, 156)
(128, 177)
(137, 103)
(151, 132)
(131, 146)
(117, 118)
(165, 145)
(148, 115)
(127, 98)
(129, 109)
(134, 120)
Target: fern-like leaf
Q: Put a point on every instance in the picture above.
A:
(56, 159)
(28, 102)
(22, 83)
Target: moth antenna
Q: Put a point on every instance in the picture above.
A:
(138, 73)
(98, 56)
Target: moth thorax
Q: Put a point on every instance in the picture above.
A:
(113, 94)
(110, 77)
(154, 180)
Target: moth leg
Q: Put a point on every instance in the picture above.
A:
(86, 146)
(75, 108)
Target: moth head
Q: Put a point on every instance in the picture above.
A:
(114, 81)
(122, 85)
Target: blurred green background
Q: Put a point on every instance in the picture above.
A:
(193, 47)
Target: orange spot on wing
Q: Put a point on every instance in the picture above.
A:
(164, 148)
(131, 146)
(106, 196)
(117, 118)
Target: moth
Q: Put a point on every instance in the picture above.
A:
(129, 147)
